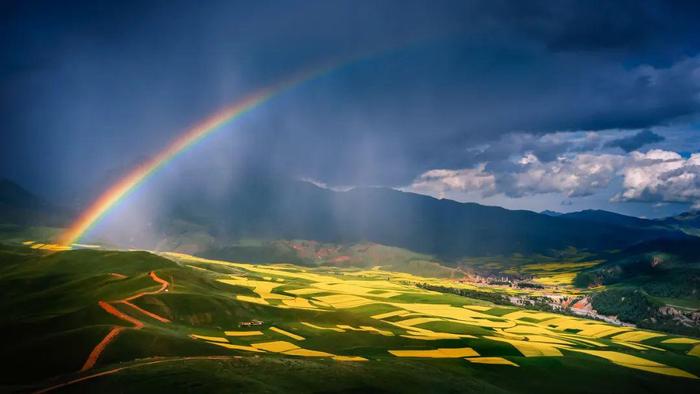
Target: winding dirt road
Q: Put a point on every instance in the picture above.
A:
(137, 324)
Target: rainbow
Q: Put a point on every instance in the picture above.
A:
(110, 197)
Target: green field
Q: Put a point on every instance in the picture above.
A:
(89, 320)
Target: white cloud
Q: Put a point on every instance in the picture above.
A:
(573, 175)
(658, 176)
(437, 182)
(661, 176)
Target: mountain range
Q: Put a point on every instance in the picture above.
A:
(443, 228)
(270, 208)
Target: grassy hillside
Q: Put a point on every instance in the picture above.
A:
(652, 284)
(664, 268)
(314, 253)
(88, 320)
(688, 222)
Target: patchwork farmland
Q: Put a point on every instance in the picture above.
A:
(100, 318)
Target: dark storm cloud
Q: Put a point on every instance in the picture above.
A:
(629, 26)
(87, 87)
(636, 141)
(575, 25)
(546, 148)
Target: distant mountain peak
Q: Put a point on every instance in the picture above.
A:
(551, 213)
(20, 206)
(11, 193)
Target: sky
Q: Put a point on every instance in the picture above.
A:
(537, 105)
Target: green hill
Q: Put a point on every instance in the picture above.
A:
(663, 275)
(88, 320)
(314, 253)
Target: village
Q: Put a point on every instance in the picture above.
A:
(546, 298)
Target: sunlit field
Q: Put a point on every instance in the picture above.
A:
(424, 317)
(138, 311)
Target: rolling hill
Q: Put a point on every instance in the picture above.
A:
(110, 321)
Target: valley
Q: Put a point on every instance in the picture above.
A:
(218, 308)
(169, 320)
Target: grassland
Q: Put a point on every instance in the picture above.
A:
(89, 320)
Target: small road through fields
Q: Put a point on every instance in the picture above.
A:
(109, 307)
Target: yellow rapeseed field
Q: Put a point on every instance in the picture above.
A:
(276, 346)
(532, 333)
(242, 333)
(208, 338)
(236, 347)
(490, 360)
(322, 328)
(637, 336)
(531, 349)
(695, 351)
(390, 314)
(436, 353)
(630, 361)
(287, 333)
(349, 358)
(681, 340)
